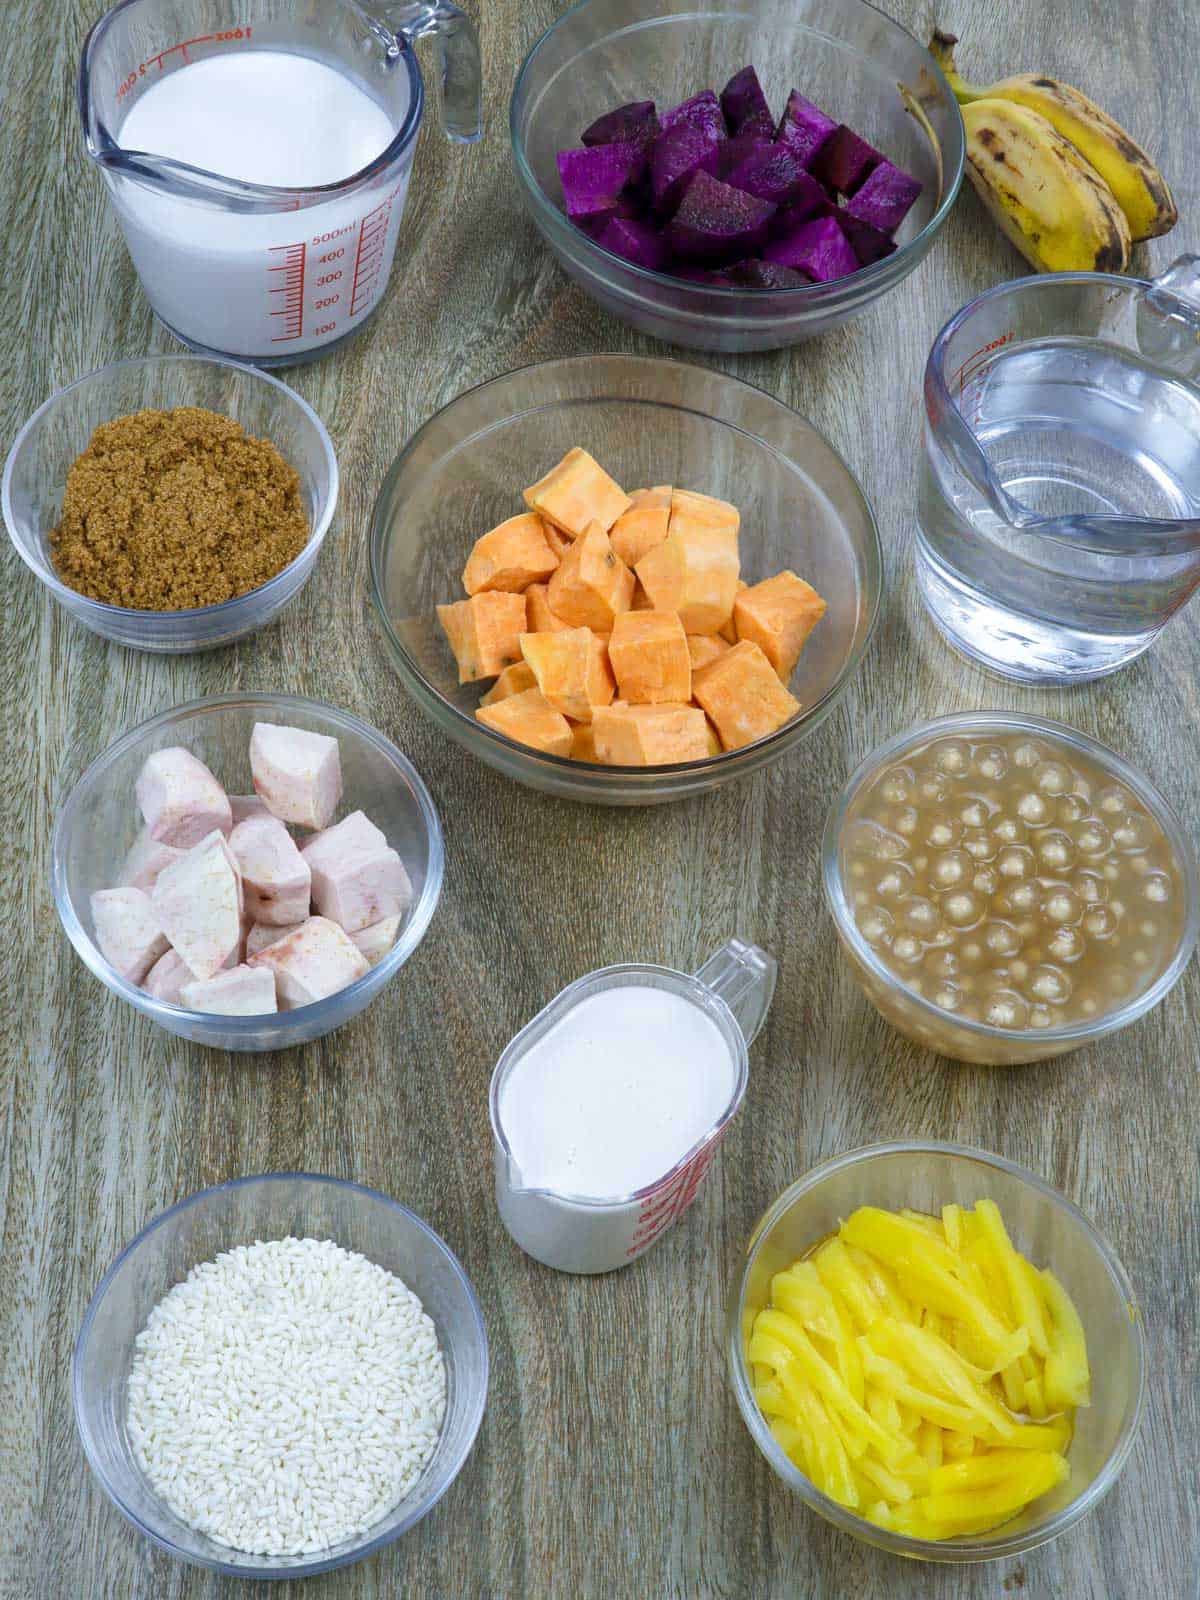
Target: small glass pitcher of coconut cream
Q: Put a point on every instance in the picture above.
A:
(608, 1108)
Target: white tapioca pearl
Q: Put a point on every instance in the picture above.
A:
(932, 788)
(1066, 945)
(857, 869)
(1093, 838)
(1032, 808)
(1001, 939)
(893, 883)
(1112, 873)
(1052, 777)
(906, 949)
(1028, 753)
(1018, 971)
(1027, 928)
(992, 762)
(985, 882)
(961, 908)
(1050, 985)
(921, 915)
(1135, 833)
(941, 964)
(1113, 802)
(1140, 958)
(1149, 930)
(1119, 982)
(1023, 896)
(1157, 887)
(1088, 1006)
(972, 951)
(1139, 865)
(952, 757)
(974, 814)
(1006, 1010)
(1090, 887)
(1118, 908)
(875, 924)
(950, 869)
(1009, 830)
(1071, 808)
(1016, 861)
(1060, 905)
(943, 832)
(1056, 849)
(896, 785)
(905, 821)
(948, 996)
(1040, 1017)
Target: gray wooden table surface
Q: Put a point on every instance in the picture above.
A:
(612, 1460)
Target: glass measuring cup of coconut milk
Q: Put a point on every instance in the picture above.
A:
(607, 1108)
(257, 154)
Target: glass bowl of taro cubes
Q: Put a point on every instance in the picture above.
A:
(734, 177)
(622, 579)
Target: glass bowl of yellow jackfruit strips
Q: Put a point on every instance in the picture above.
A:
(937, 1352)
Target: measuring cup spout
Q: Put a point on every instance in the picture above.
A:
(1168, 321)
(744, 977)
(457, 50)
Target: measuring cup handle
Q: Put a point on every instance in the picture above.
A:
(744, 977)
(1168, 319)
(458, 60)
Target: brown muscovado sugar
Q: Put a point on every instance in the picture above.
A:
(172, 510)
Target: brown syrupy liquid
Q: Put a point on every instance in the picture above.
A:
(1010, 880)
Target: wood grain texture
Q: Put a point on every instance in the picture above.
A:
(612, 1461)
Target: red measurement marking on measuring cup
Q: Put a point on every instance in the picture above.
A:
(368, 258)
(225, 36)
(975, 363)
(667, 1205)
(291, 287)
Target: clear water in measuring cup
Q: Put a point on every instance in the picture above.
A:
(1059, 513)
(259, 284)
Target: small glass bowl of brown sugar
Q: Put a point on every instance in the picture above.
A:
(1007, 889)
(231, 478)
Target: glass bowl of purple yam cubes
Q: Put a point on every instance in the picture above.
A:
(735, 177)
(305, 808)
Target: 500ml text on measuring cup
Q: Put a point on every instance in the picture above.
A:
(258, 158)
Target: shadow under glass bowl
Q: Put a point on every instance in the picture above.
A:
(1047, 1228)
(274, 1206)
(99, 821)
(844, 54)
(647, 421)
(35, 478)
(943, 1031)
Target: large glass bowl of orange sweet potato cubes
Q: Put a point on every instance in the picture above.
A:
(622, 579)
(937, 1351)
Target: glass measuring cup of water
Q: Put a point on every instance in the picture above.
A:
(265, 272)
(1059, 512)
(598, 1232)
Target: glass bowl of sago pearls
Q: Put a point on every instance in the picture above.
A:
(1006, 889)
(280, 1375)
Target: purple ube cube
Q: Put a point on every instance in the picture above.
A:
(868, 243)
(755, 274)
(745, 105)
(885, 199)
(592, 179)
(716, 222)
(845, 162)
(675, 155)
(635, 123)
(701, 111)
(811, 200)
(819, 249)
(636, 241)
(805, 128)
(773, 172)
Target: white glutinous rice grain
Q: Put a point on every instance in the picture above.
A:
(285, 1396)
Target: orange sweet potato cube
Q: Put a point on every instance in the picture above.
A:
(576, 492)
(649, 736)
(729, 631)
(705, 647)
(513, 680)
(643, 526)
(510, 557)
(742, 694)
(779, 614)
(641, 600)
(541, 618)
(484, 632)
(530, 719)
(556, 539)
(649, 655)
(715, 747)
(693, 572)
(583, 743)
(572, 670)
(592, 585)
(691, 511)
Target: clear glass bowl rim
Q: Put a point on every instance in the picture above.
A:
(877, 272)
(979, 722)
(761, 749)
(986, 1548)
(317, 1564)
(613, 1202)
(377, 977)
(72, 598)
(311, 194)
